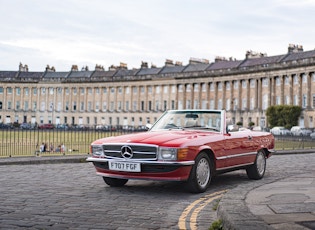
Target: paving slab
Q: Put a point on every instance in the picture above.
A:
(286, 202)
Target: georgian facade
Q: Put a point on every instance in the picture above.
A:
(244, 88)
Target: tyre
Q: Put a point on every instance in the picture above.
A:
(201, 174)
(114, 182)
(257, 170)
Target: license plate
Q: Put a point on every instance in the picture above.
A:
(124, 166)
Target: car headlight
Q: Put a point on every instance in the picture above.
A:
(97, 150)
(167, 154)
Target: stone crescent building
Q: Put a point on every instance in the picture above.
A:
(122, 96)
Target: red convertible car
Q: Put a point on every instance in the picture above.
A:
(183, 145)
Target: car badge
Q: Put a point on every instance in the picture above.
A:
(126, 152)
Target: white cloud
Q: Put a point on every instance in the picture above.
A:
(106, 32)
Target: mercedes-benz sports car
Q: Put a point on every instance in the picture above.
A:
(183, 145)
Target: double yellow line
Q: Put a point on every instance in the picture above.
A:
(194, 208)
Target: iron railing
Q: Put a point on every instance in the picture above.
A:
(289, 142)
(17, 142)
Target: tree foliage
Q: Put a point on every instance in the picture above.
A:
(283, 115)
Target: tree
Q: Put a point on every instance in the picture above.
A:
(283, 115)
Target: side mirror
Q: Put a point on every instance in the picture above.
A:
(231, 128)
(149, 126)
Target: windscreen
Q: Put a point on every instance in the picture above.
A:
(189, 119)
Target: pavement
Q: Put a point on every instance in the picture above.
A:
(43, 159)
(288, 203)
(285, 203)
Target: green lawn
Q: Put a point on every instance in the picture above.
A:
(295, 144)
(25, 143)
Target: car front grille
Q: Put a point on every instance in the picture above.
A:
(138, 152)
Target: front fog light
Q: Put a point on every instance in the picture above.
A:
(168, 154)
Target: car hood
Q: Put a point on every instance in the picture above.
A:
(170, 138)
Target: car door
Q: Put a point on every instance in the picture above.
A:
(240, 148)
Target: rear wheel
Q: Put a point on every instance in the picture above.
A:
(257, 170)
(201, 174)
(114, 182)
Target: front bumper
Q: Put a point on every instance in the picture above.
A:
(150, 170)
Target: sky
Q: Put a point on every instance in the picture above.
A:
(62, 33)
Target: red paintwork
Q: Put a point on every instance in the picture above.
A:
(228, 149)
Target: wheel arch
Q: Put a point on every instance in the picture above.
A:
(210, 153)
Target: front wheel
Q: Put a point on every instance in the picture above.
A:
(201, 174)
(257, 170)
(114, 182)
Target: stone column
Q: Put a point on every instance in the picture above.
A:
(233, 98)
(248, 94)
(215, 88)
(300, 93)
(281, 89)
(259, 94)
(309, 90)
(223, 94)
(273, 91)
(290, 79)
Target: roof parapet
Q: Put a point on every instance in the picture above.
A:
(178, 63)
(198, 61)
(295, 48)
(169, 62)
(50, 69)
(219, 58)
(74, 68)
(112, 68)
(85, 68)
(23, 68)
(122, 65)
(144, 65)
(251, 54)
(99, 67)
